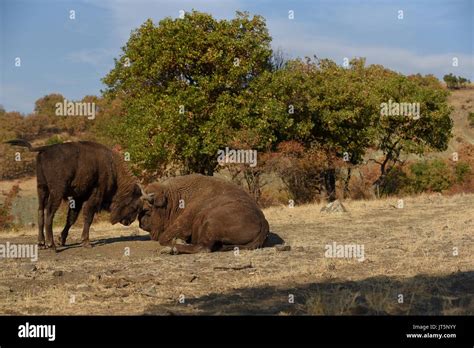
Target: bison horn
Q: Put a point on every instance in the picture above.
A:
(148, 197)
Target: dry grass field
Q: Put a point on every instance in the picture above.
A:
(423, 251)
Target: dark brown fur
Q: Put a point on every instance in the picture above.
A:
(90, 174)
(217, 215)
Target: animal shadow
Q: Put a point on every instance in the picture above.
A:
(105, 241)
(272, 240)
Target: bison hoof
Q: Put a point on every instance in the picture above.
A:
(86, 245)
(41, 245)
(179, 241)
(166, 250)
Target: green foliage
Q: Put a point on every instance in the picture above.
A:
(434, 176)
(401, 134)
(313, 102)
(340, 109)
(430, 176)
(55, 139)
(451, 81)
(182, 87)
(397, 181)
(461, 171)
(454, 82)
(344, 108)
(47, 104)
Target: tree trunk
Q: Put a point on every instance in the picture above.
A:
(346, 182)
(330, 184)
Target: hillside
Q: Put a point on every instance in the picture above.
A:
(463, 103)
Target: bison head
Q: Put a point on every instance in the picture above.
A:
(144, 217)
(151, 216)
(126, 209)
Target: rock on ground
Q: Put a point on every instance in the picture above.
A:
(334, 207)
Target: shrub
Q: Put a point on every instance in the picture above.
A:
(6, 217)
(454, 82)
(430, 176)
(396, 181)
(55, 139)
(470, 118)
(461, 170)
(300, 170)
(12, 169)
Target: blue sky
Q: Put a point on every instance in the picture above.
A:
(60, 55)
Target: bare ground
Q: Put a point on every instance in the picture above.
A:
(409, 252)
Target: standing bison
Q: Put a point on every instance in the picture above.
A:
(88, 175)
(208, 213)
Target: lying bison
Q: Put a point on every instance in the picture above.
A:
(208, 213)
(88, 175)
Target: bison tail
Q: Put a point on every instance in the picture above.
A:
(24, 143)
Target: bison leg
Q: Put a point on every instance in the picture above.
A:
(172, 233)
(89, 212)
(191, 249)
(72, 215)
(54, 202)
(182, 231)
(42, 200)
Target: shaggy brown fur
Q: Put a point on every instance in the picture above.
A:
(88, 175)
(206, 212)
